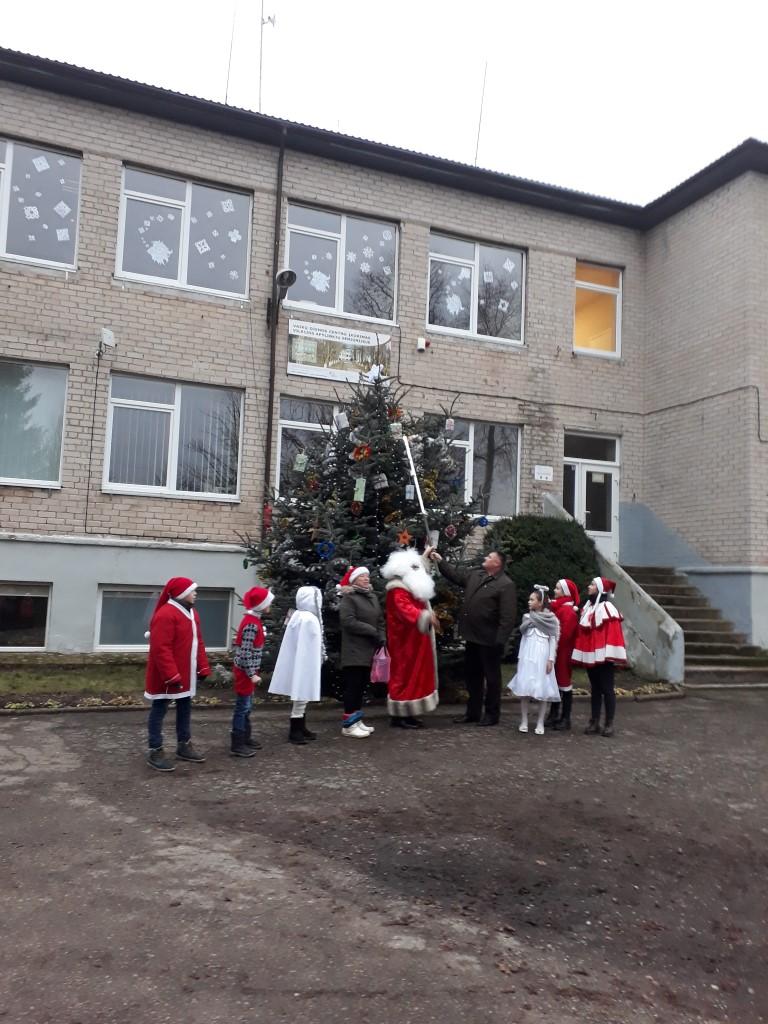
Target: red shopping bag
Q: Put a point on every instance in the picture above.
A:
(380, 666)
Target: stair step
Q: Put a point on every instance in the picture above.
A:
(705, 676)
(658, 578)
(727, 660)
(664, 591)
(705, 626)
(739, 650)
(693, 611)
(673, 601)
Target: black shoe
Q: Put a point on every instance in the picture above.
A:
(239, 746)
(608, 730)
(402, 723)
(249, 740)
(188, 753)
(305, 732)
(563, 725)
(414, 723)
(550, 722)
(156, 759)
(488, 720)
(465, 720)
(593, 729)
(296, 732)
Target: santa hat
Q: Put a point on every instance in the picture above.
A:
(175, 589)
(569, 589)
(258, 599)
(604, 585)
(352, 574)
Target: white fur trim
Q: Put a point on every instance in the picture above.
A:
(424, 621)
(361, 570)
(185, 593)
(264, 604)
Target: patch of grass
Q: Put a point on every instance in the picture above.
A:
(118, 679)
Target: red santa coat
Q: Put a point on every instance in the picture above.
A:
(567, 616)
(600, 637)
(176, 653)
(411, 644)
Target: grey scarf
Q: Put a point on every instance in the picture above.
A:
(546, 622)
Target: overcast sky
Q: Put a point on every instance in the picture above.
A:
(617, 99)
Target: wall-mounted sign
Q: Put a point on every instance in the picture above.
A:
(337, 353)
(544, 473)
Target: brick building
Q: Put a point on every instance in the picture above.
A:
(608, 353)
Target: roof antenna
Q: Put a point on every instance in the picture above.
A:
(480, 118)
(263, 21)
(231, 41)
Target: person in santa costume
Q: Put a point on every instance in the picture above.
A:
(411, 627)
(249, 643)
(600, 648)
(362, 633)
(565, 605)
(176, 661)
(299, 661)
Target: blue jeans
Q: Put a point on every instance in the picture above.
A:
(242, 710)
(183, 721)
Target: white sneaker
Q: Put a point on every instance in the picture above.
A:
(523, 727)
(368, 728)
(356, 731)
(539, 730)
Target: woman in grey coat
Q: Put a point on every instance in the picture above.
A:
(362, 633)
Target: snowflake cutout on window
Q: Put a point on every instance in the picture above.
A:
(329, 255)
(306, 272)
(453, 284)
(365, 268)
(31, 213)
(142, 230)
(314, 255)
(365, 238)
(503, 305)
(222, 256)
(387, 271)
(488, 276)
(381, 243)
(351, 257)
(159, 218)
(227, 206)
(202, 246)
(45, 227)
(381, 259)
(215, 233)
(31, 238)
(211, 265)
(387, 235)
(147, 223)
(367, 252)
(38, 195)
(514, 286)
(209, 213)
(62, 234)
(320, 282)
(464, 274)
(61, 162)
(171, 216)
(27, 176)
(20, 199)
(62, 209)
(159, 252)
(193, 220)
(62, 181)
(234, 236)
(15, 188)
(233, 274)
(453, 304)
(508, 265)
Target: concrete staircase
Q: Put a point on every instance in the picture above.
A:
(715, 654)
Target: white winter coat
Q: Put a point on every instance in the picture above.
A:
(297, 670)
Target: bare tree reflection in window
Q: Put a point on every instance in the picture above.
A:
(209, 441)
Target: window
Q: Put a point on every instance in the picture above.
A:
(597, 316)
(488, 466)
(475, 289)
(125, 613)
(32, 398)
(39, 203)
(23, 615)
(344, 265)
(175, 439)
(590, 448)
(300, 422)
(179, 232)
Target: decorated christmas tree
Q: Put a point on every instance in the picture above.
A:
(350, 499)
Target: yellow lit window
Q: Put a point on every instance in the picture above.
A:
(597, 313)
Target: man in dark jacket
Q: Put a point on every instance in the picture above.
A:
(486, 620)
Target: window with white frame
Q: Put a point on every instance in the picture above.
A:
(39, 204)
(343, 264)
(597, 313)
(125, 613)
(172, 439)
(183, 233)
(32, 401)
(23, 615)
(488, 465)
(300, 423)
(475, 288)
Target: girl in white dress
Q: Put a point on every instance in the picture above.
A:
(535, 677)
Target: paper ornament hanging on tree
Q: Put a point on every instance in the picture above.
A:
(300, 462)
(450, 425)
(356, 508)
(404, 538)
(325, 549)
(341, 421)
(380, 482)
(450, 531)
(396, 429)
(410, 492)
(359, 494)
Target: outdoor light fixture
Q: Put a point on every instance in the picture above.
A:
(284, 279)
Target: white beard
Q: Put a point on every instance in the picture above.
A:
(408, 567)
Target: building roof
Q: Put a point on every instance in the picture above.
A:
(110, 90)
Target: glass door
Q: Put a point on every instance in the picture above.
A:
(591, 496)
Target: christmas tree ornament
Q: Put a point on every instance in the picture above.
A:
(361, 452)
(482, 521)
(359, 494)
(394, 412)
(267, 517)
(380, 482)
(356, 508)
(450, 531)
(341, 420)
(245, 563)
(300, 462)
(396, 429)
(325, 549)
(313, 483)
(450, 425)
(404, 538)
(410, 492)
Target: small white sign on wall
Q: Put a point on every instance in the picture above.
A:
(544, 473)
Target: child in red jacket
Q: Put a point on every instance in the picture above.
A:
(249, 643)
(599, 648)
(564, 604)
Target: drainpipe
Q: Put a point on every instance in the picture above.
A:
(273, 316)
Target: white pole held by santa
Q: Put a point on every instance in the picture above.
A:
(416, 485)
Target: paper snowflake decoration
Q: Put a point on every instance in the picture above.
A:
(202, 246)
(215, 233)
(171, 216)
(488, 276)
(319, 281)
(62, 181)
(38, 195)
(211, 265)
(314, 255)
(365, 268)
(503, 305)
(159, 218)
(15, 188)
(62, 234)
(464, 274)
(159, 252)
(31, 238)
(365, 238)
(61, 162)
(142, 230)
(234, 236)
(387, 235)
(514, 286)
(209, 213)
(387, 271)
(223, 256)
(147, 223)
(234, 275)
(351, 257)
(329, 255)
(192, 220)
(453, 304)
(31, 213)
(508, 265)
(367, 252)
(227, 206)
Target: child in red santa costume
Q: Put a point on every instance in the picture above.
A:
(565, 605)
(600, 648)
(176, 660)
(249, 644)
(410, 639)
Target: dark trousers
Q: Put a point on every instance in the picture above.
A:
(183, 721)
(356, 678)
(482, 671)
(602, 690)
(241, 713)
